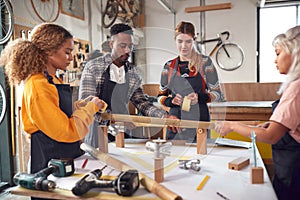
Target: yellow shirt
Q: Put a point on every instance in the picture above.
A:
(41, 111)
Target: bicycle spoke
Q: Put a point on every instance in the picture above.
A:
(126, 10)
(46, 10)
(226, 51)
(229, 56)
(6, 21)
(110, 14)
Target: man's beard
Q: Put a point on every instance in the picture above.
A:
(123, 59)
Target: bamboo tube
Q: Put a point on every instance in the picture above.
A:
(164, 122)
(157, 122)
(150, 184)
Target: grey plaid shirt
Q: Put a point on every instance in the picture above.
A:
(92, 79)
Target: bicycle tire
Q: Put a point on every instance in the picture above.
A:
(7, 21)
(2, 103)
(230, 56)
(135, 18)
(46, 10)
(110, 13)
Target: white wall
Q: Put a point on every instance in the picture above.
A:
(159, 43)
(24, 15)
(240, 21)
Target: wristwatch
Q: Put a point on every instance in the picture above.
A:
(2, 103)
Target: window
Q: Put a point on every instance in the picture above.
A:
(273, 20)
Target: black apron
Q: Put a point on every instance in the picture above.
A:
(43, 148)
(286, 158)
(198, 112)
(116, 96)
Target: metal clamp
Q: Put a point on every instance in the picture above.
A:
(193, 164)
(161, 148)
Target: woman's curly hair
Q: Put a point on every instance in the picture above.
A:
(50, 37)
(21, 59)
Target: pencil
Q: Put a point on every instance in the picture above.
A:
(221, 195)
(84, 163)
(200, 186)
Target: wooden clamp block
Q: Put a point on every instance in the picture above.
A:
(120, 140)
(257, 175)
(103, 139)
(239, 163)
(159, 170)
(201, 141)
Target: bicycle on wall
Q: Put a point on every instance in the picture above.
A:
(47, 10)
(7, 21)
(127, 10)
(229, 56)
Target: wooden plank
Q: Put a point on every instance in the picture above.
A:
(251, 91)
(220, 6)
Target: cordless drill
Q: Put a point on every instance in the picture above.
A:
(125, 184)
(39, 181)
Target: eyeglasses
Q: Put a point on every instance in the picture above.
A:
(124, 45)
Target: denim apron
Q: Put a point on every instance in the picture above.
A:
(198, 112)
(115, 95)
(286, 158)
(43, 148)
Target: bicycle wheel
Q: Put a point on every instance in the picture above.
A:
(7, 21)
(46, 10)
(134, 10)
(110, 13)
(2, 103)
(230, 56)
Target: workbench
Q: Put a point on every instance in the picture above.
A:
(256, 111)
(241, 110)
(232, 184)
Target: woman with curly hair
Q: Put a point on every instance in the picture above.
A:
(47, 114)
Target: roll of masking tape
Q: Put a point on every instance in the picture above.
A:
(186, 104)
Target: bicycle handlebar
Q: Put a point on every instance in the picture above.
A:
(226, 33)
(216, 39)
